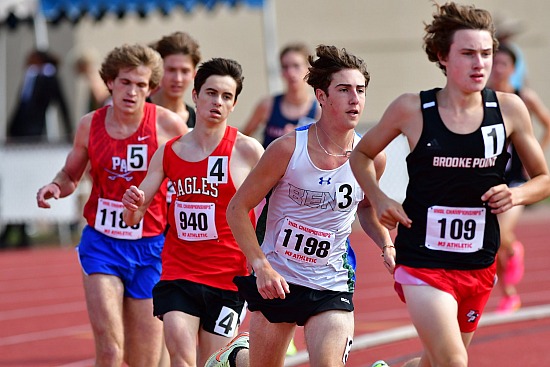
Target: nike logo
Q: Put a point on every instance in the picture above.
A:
(142, 138)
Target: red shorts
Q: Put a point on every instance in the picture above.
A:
(470, 288)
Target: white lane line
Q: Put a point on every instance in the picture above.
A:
(84, 363)
(44, 335)
(407, 332)
(56, 309)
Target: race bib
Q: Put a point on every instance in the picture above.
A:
(108, 220)
(305, 244)
(455, 229)
(195, 221)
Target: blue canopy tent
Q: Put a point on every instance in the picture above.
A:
(14, 12)
(73, 10)
(40, 13)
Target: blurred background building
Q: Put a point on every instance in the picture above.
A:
(387, 34)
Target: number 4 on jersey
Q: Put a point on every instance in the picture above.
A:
(218, 170)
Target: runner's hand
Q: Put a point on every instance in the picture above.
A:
(271, 284)
(47, 192)
(133, 198)
(390, 213)
(500, 198)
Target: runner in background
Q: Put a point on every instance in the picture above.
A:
(120, 263)
(510, 267)
(297, 106)
(181, 55)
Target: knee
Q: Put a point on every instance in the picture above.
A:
(453, 361)
(109, 349)
(109, 355)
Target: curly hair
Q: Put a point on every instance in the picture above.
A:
(448, 19)
(332, 60)
(132, 56)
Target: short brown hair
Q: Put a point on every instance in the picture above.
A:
(297, 47)
(132, 56)
(179, 43)
(222, 67)
(448, 19)
(332, 60)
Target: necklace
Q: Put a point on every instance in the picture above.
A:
(346, 152)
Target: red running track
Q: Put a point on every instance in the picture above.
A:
(43, 320)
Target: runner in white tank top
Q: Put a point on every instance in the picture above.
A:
(309, 219)
(305, 277)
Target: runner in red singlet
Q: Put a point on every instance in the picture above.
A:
(120, 263)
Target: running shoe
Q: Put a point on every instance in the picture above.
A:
(509, 304)
(221, 357)
(380, 364)
(513, 273)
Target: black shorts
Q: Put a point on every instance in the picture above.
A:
(298, 306)
(219, 310)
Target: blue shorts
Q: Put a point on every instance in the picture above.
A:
(136, 262)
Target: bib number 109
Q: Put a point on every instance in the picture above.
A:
(455, 229)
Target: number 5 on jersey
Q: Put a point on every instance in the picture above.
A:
(136, 156)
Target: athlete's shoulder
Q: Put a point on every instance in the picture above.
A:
(169, 124)
(87, 118)
(408, 101)
(84, 126)
(248, 146)
(511, 104)
(508, 98)
(403, 109)
(514, 112)
(166, 116)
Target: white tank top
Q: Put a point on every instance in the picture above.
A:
(310, 214)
